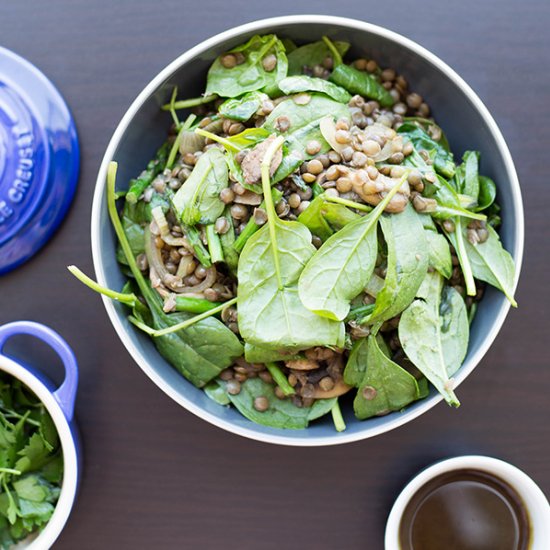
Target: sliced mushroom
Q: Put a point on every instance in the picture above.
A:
(249, 198)
(340, 388)
(252, 162)
(302, 364)
(319, 354)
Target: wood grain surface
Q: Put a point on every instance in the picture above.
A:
(155, 476)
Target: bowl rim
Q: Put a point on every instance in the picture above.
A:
(258, 26)
(69, 485)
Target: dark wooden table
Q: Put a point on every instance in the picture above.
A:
(155, 475)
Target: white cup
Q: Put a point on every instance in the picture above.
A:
(536, 504)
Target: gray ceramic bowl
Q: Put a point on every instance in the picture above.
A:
(457, 109)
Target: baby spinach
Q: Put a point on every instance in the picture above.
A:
(338, 215)
(198, 199)
(201, 351)
(323, 218)
(258, 354)
(433, 331)
(489, 261)
(487, 193)
(356, 365)
(251, 74)
(281, 413)
(304, 123)
(342, 267)
(359, 82)
(356, 81)
(443, 161)
(429, 126)
(242, 108)
(407, 264)
(312, 54)
(217, 393)
(270, 312)
(439, 253)
(231, 256)
(385, 386)
(312, 217)
(303, 83)
(467, 175)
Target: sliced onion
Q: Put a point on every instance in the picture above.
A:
(154, 257)
(381, 131)
(328, 131)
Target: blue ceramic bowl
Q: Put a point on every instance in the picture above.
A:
(457, 109)
(60, 404)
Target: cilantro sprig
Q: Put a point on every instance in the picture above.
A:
(31, 463)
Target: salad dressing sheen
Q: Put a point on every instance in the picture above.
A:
(465, 510)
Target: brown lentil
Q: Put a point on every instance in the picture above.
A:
(342, 136)
(239, 211)
(233, 387)
(282, 124)
(260, 216)
(261, 404)
(343, 184)
(326, 383)
(269, 62)
(313, 147)
(221, 226)
(227, 195)
(294, 200)
(369, 393)
(228, 60)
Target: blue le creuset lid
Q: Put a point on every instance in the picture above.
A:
(39, 159)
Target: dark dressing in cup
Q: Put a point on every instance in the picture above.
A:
(465, 510)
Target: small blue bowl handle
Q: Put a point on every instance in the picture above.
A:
(66, 393)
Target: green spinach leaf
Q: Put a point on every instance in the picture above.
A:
(199, 352)
(251, 74)
(439, 253)
(270, 312)
(433, 331)
(443, 161)
(198, 199)
(312, 217)
(303, 83)
(231, 256)
(362, 83)
(342, 267)
(487, 193)
(257, 354)
(282, 413)
(311, 55)
(356, 81)
(216, 391)
(242, 108)
(407, 264)
(490, 262)
(304, 124)
(467, 175)
(385, 386)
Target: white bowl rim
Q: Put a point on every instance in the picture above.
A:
(67, 496)
(507, 472)
(162, 76)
